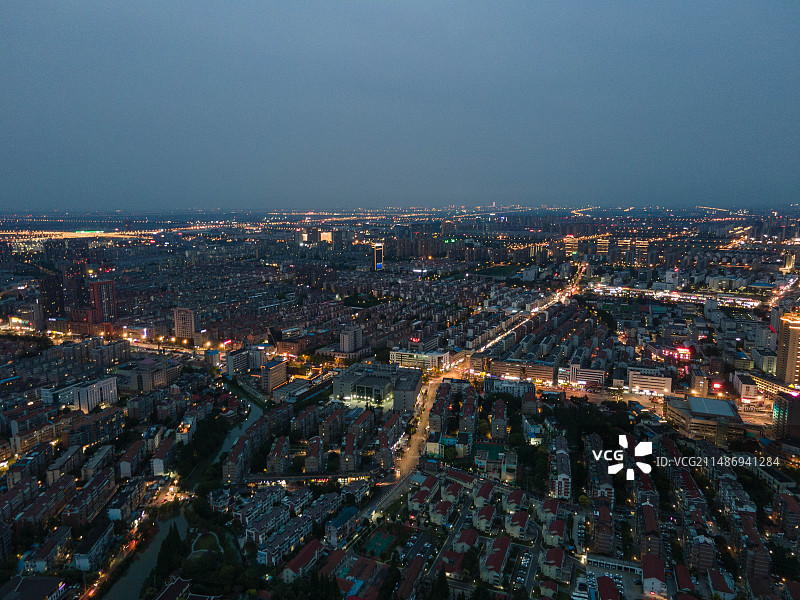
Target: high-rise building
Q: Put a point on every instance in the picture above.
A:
(184, 323)
(307, 236)
(104, 301)
(642, 247)
(91, 395)
(51, 292)
(377, 257)
(789, 348)
(351, 339)
(786, 415)
(273, 374)
(75, 285)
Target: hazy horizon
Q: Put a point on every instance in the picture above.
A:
(251, 106)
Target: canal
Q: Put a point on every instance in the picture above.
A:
(129, 585)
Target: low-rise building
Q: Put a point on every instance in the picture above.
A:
(302, 563)
(552, 564)
(654, 581)
(494, 562)
(91, 549)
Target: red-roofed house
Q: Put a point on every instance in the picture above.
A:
(484, 494)
(465, 479)
(302, 562)
(452, 564)
(418, 501)
(649, 537)
(549, 510)
(514, 501)
(410, 582)
(554, 534)
(465, 541)
(793, 590)
(654, 581)
(431, 484)
(607, 589)
(551, 563)
(441, 512)
(549, 589)
(485, 517)
(603, 532)
(332, 563)
(453, 492)
(719, 585)
(495, 561)
(683, 580)
(517, 524)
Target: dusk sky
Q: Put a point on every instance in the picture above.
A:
(263, 105)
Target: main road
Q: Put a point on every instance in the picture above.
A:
(410, 458)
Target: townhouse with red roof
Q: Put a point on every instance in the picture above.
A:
(517, 524)
(302, 563)
(483, 522)
(467, 539)
(553, 535)
(483, 494)
(654, 580)
(552, 564)
(495, 560)
(720, 585)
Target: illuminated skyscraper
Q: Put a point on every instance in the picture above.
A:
(377, 257)
(786, 415)
(642, 247)
(789, 348)
(570, 245)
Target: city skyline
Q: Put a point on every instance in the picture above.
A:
(400, 404)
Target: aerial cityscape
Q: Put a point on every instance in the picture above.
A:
(409, 403)
(399, 300)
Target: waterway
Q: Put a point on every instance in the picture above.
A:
(128, 586)
(233, 435)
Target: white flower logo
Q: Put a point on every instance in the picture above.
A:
(642, 449)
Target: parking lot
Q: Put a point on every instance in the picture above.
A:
(628, 584)
(419, 544)
(524, 568)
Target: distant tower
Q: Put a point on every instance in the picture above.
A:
(377, 257)
(104, 301)
(570, 245)
(51, 292)
(789, 348)
(641, 247)
(603, 246)
(184, 323)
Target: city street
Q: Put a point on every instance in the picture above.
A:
(411, 455)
